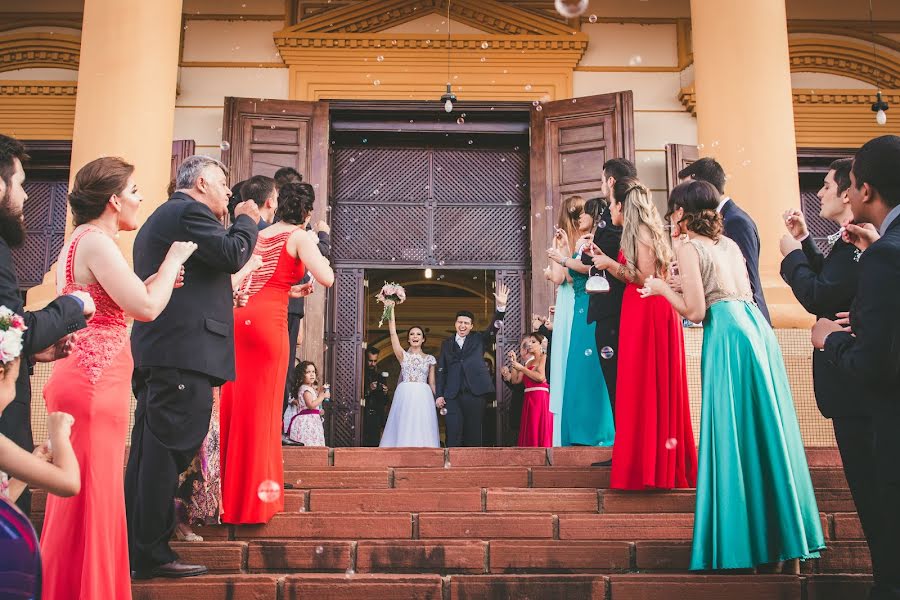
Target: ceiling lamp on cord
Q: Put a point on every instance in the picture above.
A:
(880, 106)
(449, 97)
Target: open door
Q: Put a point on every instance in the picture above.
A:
(264, 135)
(570, 141)
(678, 156)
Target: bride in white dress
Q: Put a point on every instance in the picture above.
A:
(412, 421)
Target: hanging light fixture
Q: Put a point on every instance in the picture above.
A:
(428, 273)
(449, 97)
(879, 107)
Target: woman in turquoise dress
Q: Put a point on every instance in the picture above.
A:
(755, 502)
(586, 418)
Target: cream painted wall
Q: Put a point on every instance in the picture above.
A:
(40, 75)
(823, 81)
(231, 41)
(630, 44)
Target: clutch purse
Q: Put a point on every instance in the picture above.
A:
(597, 284)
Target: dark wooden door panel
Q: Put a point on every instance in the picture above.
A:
(570, 141)
(678, 156)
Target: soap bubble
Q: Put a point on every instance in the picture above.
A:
(224, 146)
(269, 491)
(592, 18)
(601, 224)
(607, 352)
(671, 443)
(319, 549)
(571, 8)
(379, 58)
(539, 108)
(527, 87)
(376, 82)
(485, 45)
(444, 413)
(588, 352)
(635, 60)
(460, 121)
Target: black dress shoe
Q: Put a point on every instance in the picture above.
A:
(602, 463)
(286, 442)
(174, 570)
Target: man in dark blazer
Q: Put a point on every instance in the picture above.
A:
(49, 331)
(463, 380)
(826, 286)
(182, 355)
(605, 309)
(869, 353)
(737, 224)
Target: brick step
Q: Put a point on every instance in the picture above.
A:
(353, 586)
(472, 556)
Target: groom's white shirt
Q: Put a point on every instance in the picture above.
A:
(460, 340)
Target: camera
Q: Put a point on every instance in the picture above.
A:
(383, 377)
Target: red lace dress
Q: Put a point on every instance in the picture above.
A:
(84, 542)
(250, 415)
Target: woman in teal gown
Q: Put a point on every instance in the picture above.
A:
(586, 418)
(755, 501)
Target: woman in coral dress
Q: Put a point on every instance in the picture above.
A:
(84, 540)
(654, 439)
(250, 416)
(536, 428)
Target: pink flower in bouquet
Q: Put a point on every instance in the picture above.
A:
(390, 294)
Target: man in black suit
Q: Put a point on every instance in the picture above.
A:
(376, 400)
(182, 355)
(261, 190)
(826, 286)
(737, 224)
(605, 309)
(49, 334)
(868, 355)
(463, 380)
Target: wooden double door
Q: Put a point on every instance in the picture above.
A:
(396, 179)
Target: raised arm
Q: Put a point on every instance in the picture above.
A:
(691, 302)
(221, 249)
(395, 339)
(143, 300)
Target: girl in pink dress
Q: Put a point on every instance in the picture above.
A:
(84, 541)
(536, 429)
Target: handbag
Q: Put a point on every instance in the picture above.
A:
(597, 283)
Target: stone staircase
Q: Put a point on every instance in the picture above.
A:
(490, 523)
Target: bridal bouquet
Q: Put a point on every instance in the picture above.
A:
(390, 294)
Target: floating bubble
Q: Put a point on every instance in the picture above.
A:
(247, 322)
(471, 142)
(535, 103)
(601, 224)
(527, 87)
(607, 352)
(379, 58)
(180, 386)
(485, 45)
(700, 146)
(671, 443)
(393, 42)
(319, 549)
(508, 202)
(580, 311)
(503, 160)
(745, 163)
(588, 352)
(539, 108)
(498, 324)
(224, 146)
(376, 82)
(592, 18)
(442, 263)
(269, 491)
(635, 60)
(574, 100)
(483, 59)
(349, 572)
(516, 148)
(714, 144)
(365, 140)
(571, 8)
(548, 207)
(460, 121)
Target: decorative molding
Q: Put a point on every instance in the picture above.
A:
(373, 16)
(846, 58)
(31, 49)
(38, 110)
(232, 65)
(13, 21)
(827, 118)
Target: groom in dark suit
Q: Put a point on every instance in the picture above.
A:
(737, 224)
(182, 355)
(463, 380)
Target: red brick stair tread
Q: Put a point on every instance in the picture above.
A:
(401, 556)
(364, 586)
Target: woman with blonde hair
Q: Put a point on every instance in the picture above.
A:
(564, 240)
(654, 440)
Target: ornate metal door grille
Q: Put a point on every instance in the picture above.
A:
(415, 206)
(45, 219)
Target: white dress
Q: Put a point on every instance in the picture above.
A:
(412, 421)
(302, 424)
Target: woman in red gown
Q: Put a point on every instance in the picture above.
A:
(250, 414)
(84, 541)
(654, 445)
(536, 428)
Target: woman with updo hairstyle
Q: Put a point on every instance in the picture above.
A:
(250, 415)
(84, 540)
(751, 452)
(412, 420)
(654, 439)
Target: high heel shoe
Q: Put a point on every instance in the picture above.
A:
(190, 536)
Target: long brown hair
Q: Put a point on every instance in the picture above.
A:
(573, 205)
(95, 183)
